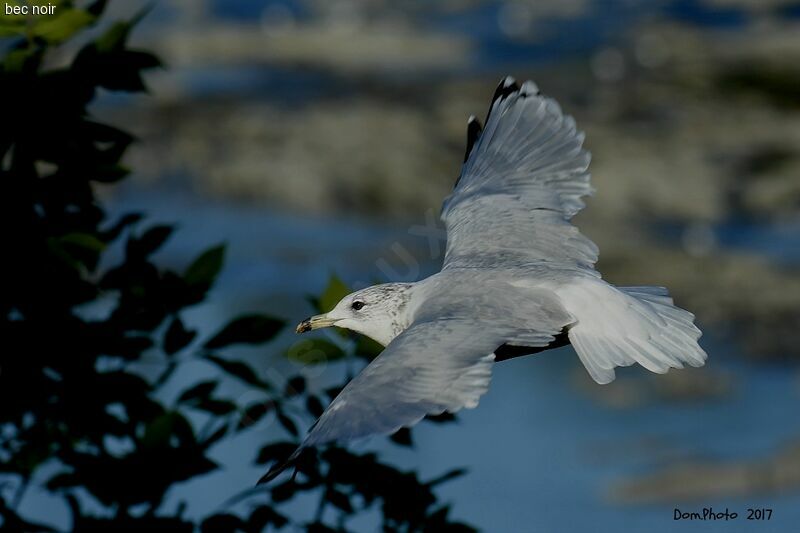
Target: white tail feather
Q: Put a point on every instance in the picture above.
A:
(619, 326)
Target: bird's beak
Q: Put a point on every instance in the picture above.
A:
(315, 322)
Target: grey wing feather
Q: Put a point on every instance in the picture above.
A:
(522, 182)
(428, 369)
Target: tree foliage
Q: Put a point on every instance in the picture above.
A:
(76, 316)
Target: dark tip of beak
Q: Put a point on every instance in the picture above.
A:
(304, 326)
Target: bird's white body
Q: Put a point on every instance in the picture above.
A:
(516, 274)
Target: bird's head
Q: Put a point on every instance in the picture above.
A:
(379, 312)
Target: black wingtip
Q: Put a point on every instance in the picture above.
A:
(506, 87)
(278, 468)
(474, 129)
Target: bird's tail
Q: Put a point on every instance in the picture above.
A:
(619, 326)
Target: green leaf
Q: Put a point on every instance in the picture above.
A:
(314, 351)
(367, 348)
(239, 370)
(110, 173)
(84, 240)
(247, 329)
(158, 432)
(197, 392)
(11, 25)
(22, 59)
(62, 25)
(204, 269)
(114, 37)
(335, 291)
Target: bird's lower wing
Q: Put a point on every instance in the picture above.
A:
(432, 367)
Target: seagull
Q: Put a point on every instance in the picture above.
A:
(517, 278)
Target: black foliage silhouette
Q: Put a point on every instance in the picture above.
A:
(71, 332)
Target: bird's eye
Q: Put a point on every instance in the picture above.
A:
(357, 305)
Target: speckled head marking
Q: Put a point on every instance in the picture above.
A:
(379, 312)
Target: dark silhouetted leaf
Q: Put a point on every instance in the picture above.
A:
(216, 407)
(218, 434)
(283, 492)
(160, 430)
(177, 336)
(264, 516)
(248, 329)
(452, 474)
(339, 500)
(198, 392)
(288, 424)
(222, 523)
(150, 241)
(319, 527)
(254, 413)
(441, 418)
(204, 269)
(239, 370)
(276, 452)
(314, 406)
(333, 392)
(114, 231)
(402, 437)
(295, 386)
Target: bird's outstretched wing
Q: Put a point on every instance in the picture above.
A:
(432, 367)
(442, 362)
(522, 181)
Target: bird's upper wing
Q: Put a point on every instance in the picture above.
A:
(442, 362)
(521, 183)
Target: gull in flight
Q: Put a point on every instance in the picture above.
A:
(517, 279)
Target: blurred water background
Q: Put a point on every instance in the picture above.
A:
(320, 137)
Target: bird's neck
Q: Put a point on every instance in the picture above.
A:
(401, 314)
